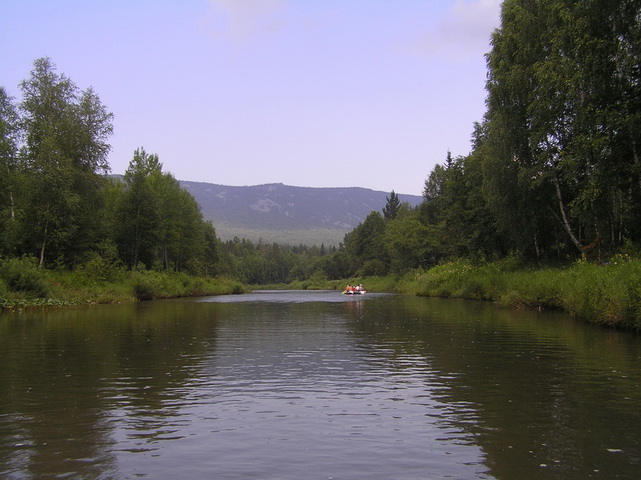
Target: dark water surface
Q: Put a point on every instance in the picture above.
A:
(316, 385)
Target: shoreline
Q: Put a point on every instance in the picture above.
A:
(607, 295)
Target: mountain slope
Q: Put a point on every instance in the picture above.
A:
(287, 214)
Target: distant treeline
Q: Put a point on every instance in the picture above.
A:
(554, 173)
(59, 208)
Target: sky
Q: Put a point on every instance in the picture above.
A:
(312, 93)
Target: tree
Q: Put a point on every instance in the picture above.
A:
(138, 211)
(365, 242)
(9, 138)
(160, 224)
(409, 243)
(390, 210)
(564, 120)
(180, 229)
(64, 154)
(434, 183)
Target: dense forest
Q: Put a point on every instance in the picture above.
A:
(553, 175)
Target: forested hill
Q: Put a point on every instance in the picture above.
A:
(288, 214)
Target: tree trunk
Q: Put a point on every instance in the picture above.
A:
(44, 243)
(564, 218)
(637, 163)
(11, 201)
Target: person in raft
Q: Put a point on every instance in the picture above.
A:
(348, 288)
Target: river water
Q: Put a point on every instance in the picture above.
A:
(316, 385)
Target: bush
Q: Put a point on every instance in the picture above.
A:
(605, 294)
(4, 291)
(103, 265)
(24, 276)
(373, 268)
(148, 285)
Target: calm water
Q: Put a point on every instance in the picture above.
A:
(316, 385)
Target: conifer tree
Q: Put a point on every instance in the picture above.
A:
(391, 208)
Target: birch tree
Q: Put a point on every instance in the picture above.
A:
(563, 118)
(64, 154)
(9, 138)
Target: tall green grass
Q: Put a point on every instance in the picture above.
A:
(149, 285)
(23, 277)
(374, 284)
(24, 284)
(607, 295)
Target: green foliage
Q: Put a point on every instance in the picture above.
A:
(391, 208)
(158, 224)
(56, 204)
(138, 211)
(563, 125)
(150, 285)
(373, 268)
(605, 294)
(365, 243)
(103, 265)
(269, 263)
(409, 244)
(22, 275)
(9, 136)
(553, 176)
(63, 155)
(608, 295)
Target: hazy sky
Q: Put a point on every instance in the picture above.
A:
(317, 93)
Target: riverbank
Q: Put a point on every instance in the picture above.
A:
(23, 285)
(607, 295)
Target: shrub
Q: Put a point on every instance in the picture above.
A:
(23, 275)
(4, 291)
(373, 268)
(149, 284)
(103, 265)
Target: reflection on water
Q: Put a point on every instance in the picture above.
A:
(290, 385)
(294, 296)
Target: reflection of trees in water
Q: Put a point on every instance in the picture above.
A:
(532, 389)
(69, 377)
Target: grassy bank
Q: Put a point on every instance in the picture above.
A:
(23, 284)
(374, 284)
(608, 295)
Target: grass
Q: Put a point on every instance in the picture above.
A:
(374, 284)
(608, 295)
(23, 284)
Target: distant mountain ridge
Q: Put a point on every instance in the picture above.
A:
(287, 214)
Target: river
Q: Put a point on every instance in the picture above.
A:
(316, 385)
